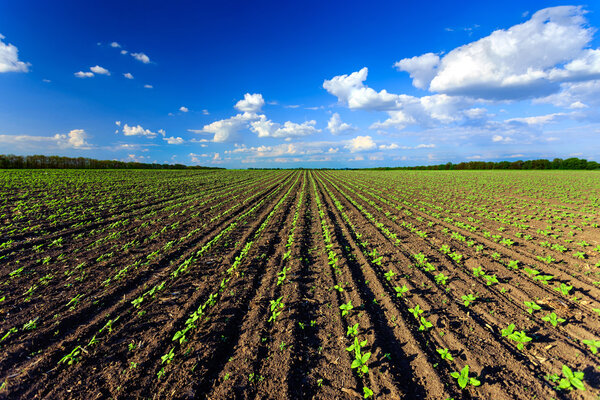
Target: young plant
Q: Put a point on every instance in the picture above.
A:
(389, 275)
(352, 330)
(276, 309)
(360, 359)
(592, 344)
(468, 299)
(520, 337)
(346, 308)
(571, 379)
(553, 319)
(400, 291)
(532, 306)
(463, 378)
(445, 354)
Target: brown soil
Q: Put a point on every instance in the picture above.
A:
(123, 307)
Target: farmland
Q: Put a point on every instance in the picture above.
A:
(299, 284)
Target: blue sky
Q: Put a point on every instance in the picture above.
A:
(312, 84)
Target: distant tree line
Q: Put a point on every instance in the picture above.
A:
(557, 163)
(11, 161)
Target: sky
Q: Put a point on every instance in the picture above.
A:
(300, 84)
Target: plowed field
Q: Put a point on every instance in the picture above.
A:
(299, 284)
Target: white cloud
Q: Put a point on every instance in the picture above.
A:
(128, 75)
(361, 143)
(422, 69)
(124, 52)
(264, 127)
(291, 129)
(118, 123)
(336, 126)
(141, 57)
(82, 74)
(137, 131)
(183, 109)
(205, 112)
(115, 45)
(74, 139)
(162, 132)
(9, 58)
(350, 90)
(527, 60)
(268, 128)
(427, 111)
(403, 109)
(537, 120)
(501, 139)
(251, 103)
(394, 146)
(173, 140)
(148, 86)
(226, 129)
(99, 70)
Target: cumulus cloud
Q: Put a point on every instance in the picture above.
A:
(251, 103)
(137, 131)
(148, 86)
(336, 126)
(75, 139)
(183, 109)
(350, 90)
(422, 69)
(403, 109)
(528, 60)
(9, 58)
(115, 45)
(427, 111)
(361, 143)
(82, 74)
(226, 129)
(173, 140)
(128, 75)
(99, 70)
(267, 128)
(141, 57)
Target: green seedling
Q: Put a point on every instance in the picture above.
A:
(532, 306)
(346, 308)
(73, 357)
(553, 319)
(571, 379)
(491, 279)
(564, 289)
(400, 291)
(352, 330)
(468, 299)
(389, 275)
(520, 337)
(478, 271)
(445, 354)
(276, 307)
(592, 344)
(367, 392)
(441, 279)
(463, 378)
(360, 359)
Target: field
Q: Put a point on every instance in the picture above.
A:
(299, 284)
